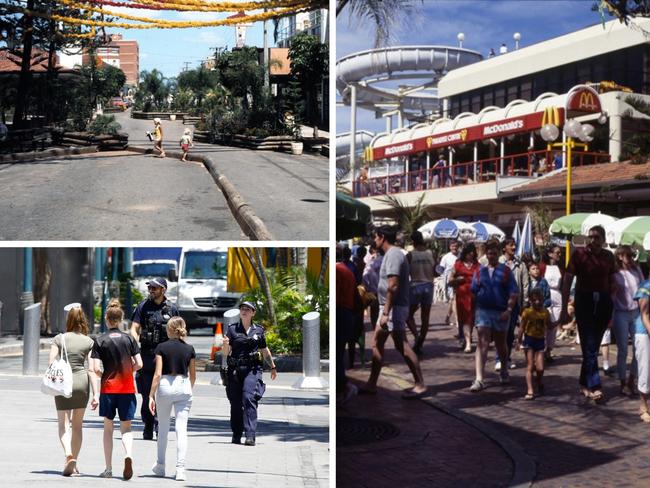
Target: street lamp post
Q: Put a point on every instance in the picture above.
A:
(573, 130)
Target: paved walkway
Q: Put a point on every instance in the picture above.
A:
(559, 439)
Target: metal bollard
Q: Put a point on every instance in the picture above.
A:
(31, 339)
(311, 353)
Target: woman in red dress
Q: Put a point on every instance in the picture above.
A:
(461, 280)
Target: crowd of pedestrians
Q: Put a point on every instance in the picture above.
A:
(155, 350)
(516, 302)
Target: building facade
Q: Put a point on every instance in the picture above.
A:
(122, 54)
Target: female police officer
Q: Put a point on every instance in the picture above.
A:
(244, 345)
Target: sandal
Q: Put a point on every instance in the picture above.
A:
(70, 465)
(529, 396)
(597, 396)
(412, 395)
(645, 416)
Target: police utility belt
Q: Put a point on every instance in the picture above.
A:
(253, 359)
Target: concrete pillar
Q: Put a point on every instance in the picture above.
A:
(615, 140)
(389, 123)
(353, 129)
(311, 353)
(27, 295)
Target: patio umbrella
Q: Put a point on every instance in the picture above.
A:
(352, 217)
(579, 223)
(525, 244)
(485, 231)
(630, 230)
(646, 242)
(516, 233)
(447, 229)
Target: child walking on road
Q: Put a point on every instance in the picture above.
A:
(186, 142)
(534, 324)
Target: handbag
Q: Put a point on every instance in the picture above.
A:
(57, 380)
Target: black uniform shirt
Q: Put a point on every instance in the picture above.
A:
(153, 319)
(176, 356)
(243, 344)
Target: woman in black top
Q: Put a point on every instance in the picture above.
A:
(173, 381)
(244, 344)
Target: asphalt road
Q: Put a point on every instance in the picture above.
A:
(289, 193)
(113, 196)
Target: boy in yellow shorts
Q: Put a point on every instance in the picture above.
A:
(534, 323)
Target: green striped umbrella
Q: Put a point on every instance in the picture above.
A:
(630, 231)
(579, 223)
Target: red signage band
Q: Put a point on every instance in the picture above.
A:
(500, 128)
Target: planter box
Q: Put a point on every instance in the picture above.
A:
(160, 115)
(104, 142)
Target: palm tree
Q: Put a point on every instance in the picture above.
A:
(385, 14)
(408, 218)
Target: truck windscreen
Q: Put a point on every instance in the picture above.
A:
(205, 265)
(144, 270)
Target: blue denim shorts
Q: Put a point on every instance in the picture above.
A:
(534, 343)
(421, 294)
(490, 318)
(124, 403)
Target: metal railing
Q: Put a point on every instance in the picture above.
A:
(528, 164)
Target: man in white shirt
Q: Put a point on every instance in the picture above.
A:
(447, 262)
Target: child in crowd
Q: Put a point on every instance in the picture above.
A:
(534, 324)
(186, 142)
(536, 280)
(569, 329)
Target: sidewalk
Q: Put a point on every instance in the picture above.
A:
(559, 439)
(292, 441)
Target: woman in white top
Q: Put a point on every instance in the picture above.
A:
(553, 276)
(627, 279)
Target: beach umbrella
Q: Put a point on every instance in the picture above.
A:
(485, 231)
(525, 244)
(447, 229)
(646, 242)
(579, 223)
(516, 233)
(630, 230)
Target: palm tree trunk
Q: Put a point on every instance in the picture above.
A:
(265, 285)
(323, 267)
(42, 286)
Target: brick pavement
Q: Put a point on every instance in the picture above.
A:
(560, 439)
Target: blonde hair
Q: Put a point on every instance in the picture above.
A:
(178, 327)
(156, 120)
(187, 132)
(114, 312)
(76, 321)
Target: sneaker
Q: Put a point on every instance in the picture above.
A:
(250, 441)
(504, 377)
(158, 469)
(180, 474)
(107, 473)
(497, 366)
(127, 474)
(236, 439)
(477, 386)
(511, 365)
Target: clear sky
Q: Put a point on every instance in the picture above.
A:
(168, 49)
(486, 24)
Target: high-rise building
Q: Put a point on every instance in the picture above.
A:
(121, 54)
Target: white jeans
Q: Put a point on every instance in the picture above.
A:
(173, 391)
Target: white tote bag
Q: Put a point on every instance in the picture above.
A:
(57, 380)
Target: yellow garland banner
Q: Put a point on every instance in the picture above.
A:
(111, 13)
(203, 6)
(169, 24)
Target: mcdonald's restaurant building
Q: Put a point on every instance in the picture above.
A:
(493, 113)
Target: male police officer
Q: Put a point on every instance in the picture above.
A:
(148, 327)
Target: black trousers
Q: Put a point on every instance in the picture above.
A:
(245, 389)
(143, 379)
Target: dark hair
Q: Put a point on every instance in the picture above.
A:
(600, 229)
(492, 244)
(506, 241)
(417, 238)
(388, 232)
(347, 253)
(536, 292)
(623, 249)
(548, 250)
(466, 250)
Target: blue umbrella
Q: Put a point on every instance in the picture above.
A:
(516, 233)
(525, 244)
(485, 231)
(447, 229)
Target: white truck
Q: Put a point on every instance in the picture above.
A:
(145, 269)
(203, 296)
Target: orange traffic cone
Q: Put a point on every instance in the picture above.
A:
(218, 341)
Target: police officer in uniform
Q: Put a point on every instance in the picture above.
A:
(148, 327)
(245, 347)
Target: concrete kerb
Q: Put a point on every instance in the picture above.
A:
(244, 214)
(47, 154)
(16, 348)
(524, 467)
